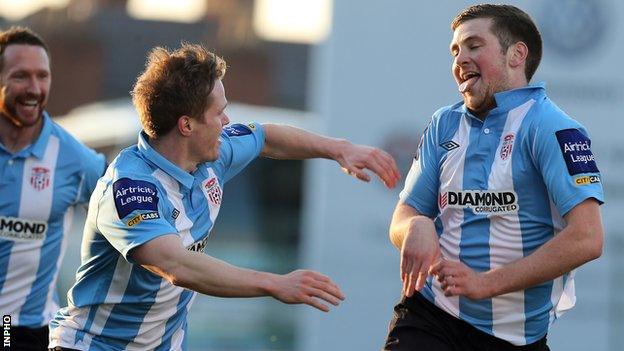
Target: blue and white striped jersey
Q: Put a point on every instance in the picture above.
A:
(38, 187)
(116, 304)
(498, 190)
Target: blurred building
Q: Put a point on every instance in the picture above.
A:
(98, 50)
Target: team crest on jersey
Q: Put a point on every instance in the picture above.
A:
(40, 178)
(507, 146)
(213, 190)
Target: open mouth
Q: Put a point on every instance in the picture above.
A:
(28, 107)
(468, 80)
(28, 104)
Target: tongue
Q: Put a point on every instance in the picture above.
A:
(465, 86)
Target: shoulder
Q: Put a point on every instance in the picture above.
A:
(238, 129)
(546, 115)
(129, 164)
(132, 185)
(66, 139)
(446, 119)
(549, 125)
(74, 151)
(448, 113)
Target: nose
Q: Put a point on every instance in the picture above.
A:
(461, 59)
(225, 120)
(33, 87)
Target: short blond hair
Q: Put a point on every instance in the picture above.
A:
(175, 84)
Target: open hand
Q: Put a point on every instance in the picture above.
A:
(308, 287)
(355, 158)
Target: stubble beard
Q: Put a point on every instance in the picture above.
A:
(9, 112)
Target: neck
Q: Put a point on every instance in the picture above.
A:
(519, 82)
(16, 138)
(174, 150)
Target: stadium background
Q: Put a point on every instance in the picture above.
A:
(371, 71)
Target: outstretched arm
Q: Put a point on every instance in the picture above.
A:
(165, 256)
(415, 236)
(580, 242)
(287, 142)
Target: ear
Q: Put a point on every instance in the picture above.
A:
(185, 125)
(517, 54)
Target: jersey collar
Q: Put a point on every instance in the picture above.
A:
(167, 166)
(508, 100)
(36, 149)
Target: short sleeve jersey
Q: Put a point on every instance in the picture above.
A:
(39, 185)
(116, 304)
(498, 189)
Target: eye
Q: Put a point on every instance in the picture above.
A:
(19, 75)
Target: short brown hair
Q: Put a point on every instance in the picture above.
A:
(16, 35)
(510, 25)
(175, 84)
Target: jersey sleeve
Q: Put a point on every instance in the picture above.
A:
(422, 182)
(132, 212)
(240, 144)
(94, 166)
(562, 152)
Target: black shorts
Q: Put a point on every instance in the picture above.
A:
(420, 325)
(28, 339)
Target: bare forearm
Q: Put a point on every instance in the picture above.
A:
(415, 237)
(581, 241)
(214, 277)
(166, 257)
(398, 231)
(558, 256)
(404, 220)
(286, 142)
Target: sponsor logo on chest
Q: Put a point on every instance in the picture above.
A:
(480, 201)
(213, 191)
(20, 229)
(40, 178)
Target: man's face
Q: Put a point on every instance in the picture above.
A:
(479, 65)
(24, 84)
(207, 142)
